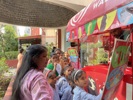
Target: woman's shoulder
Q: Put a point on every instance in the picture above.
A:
(34, 74)
(37, 73)
(32, 77)
(20, 55)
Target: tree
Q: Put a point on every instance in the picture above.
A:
(8, 39)
(2, 42)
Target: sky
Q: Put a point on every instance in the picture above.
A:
(21, 30)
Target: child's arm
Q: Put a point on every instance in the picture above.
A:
(55, 65)
(61, 85)
(49, 61)
(87, 96)
(67, 95)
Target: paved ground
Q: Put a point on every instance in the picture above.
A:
(12, 71)
(9, 90)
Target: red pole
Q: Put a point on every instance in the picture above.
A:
(78, 52)
(131, 28)
(109, 45)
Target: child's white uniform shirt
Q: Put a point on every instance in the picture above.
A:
(80, 94)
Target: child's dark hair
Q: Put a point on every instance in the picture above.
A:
(53, 54)
(76, 74)
(21, 50)
(64, 69)
(48, 73)
(53, 49)
(71, 83)
(73, 44)
(57, 50)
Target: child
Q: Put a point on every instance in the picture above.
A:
(63, 84)
(64, 62)
(53, 58)
(80, 80)
(61, 55)
(51, 78)
(54, 65)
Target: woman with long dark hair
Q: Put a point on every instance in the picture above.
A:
(30, 82)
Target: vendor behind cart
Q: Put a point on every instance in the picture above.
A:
(120, 33)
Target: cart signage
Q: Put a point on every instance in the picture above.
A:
(94, 10)
(91, 23)
(116, 69)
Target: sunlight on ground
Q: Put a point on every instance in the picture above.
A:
(12, 71)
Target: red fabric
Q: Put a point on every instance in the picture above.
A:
(93, 11)
(99, 73)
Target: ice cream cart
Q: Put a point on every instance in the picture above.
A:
(93, 25)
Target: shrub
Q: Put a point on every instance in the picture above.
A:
(3, 66)
(9, 55)
(12, 54)
(4, 80)
(49, 47)
(101, 57)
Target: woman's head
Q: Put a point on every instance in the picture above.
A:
(35, 57)
(116, 32)
(51, 77)
(79, 78)
(67, 70)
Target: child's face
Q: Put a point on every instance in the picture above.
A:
(54, 58)
(65, 62)
(68, 71)
(61, 55)
(58, 53)
(82, 81)
(52, 80)
(66, 55)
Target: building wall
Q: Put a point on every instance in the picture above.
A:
(35, 31)
(51, 36)
(64, 44)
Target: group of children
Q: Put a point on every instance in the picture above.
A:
(66, 82)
